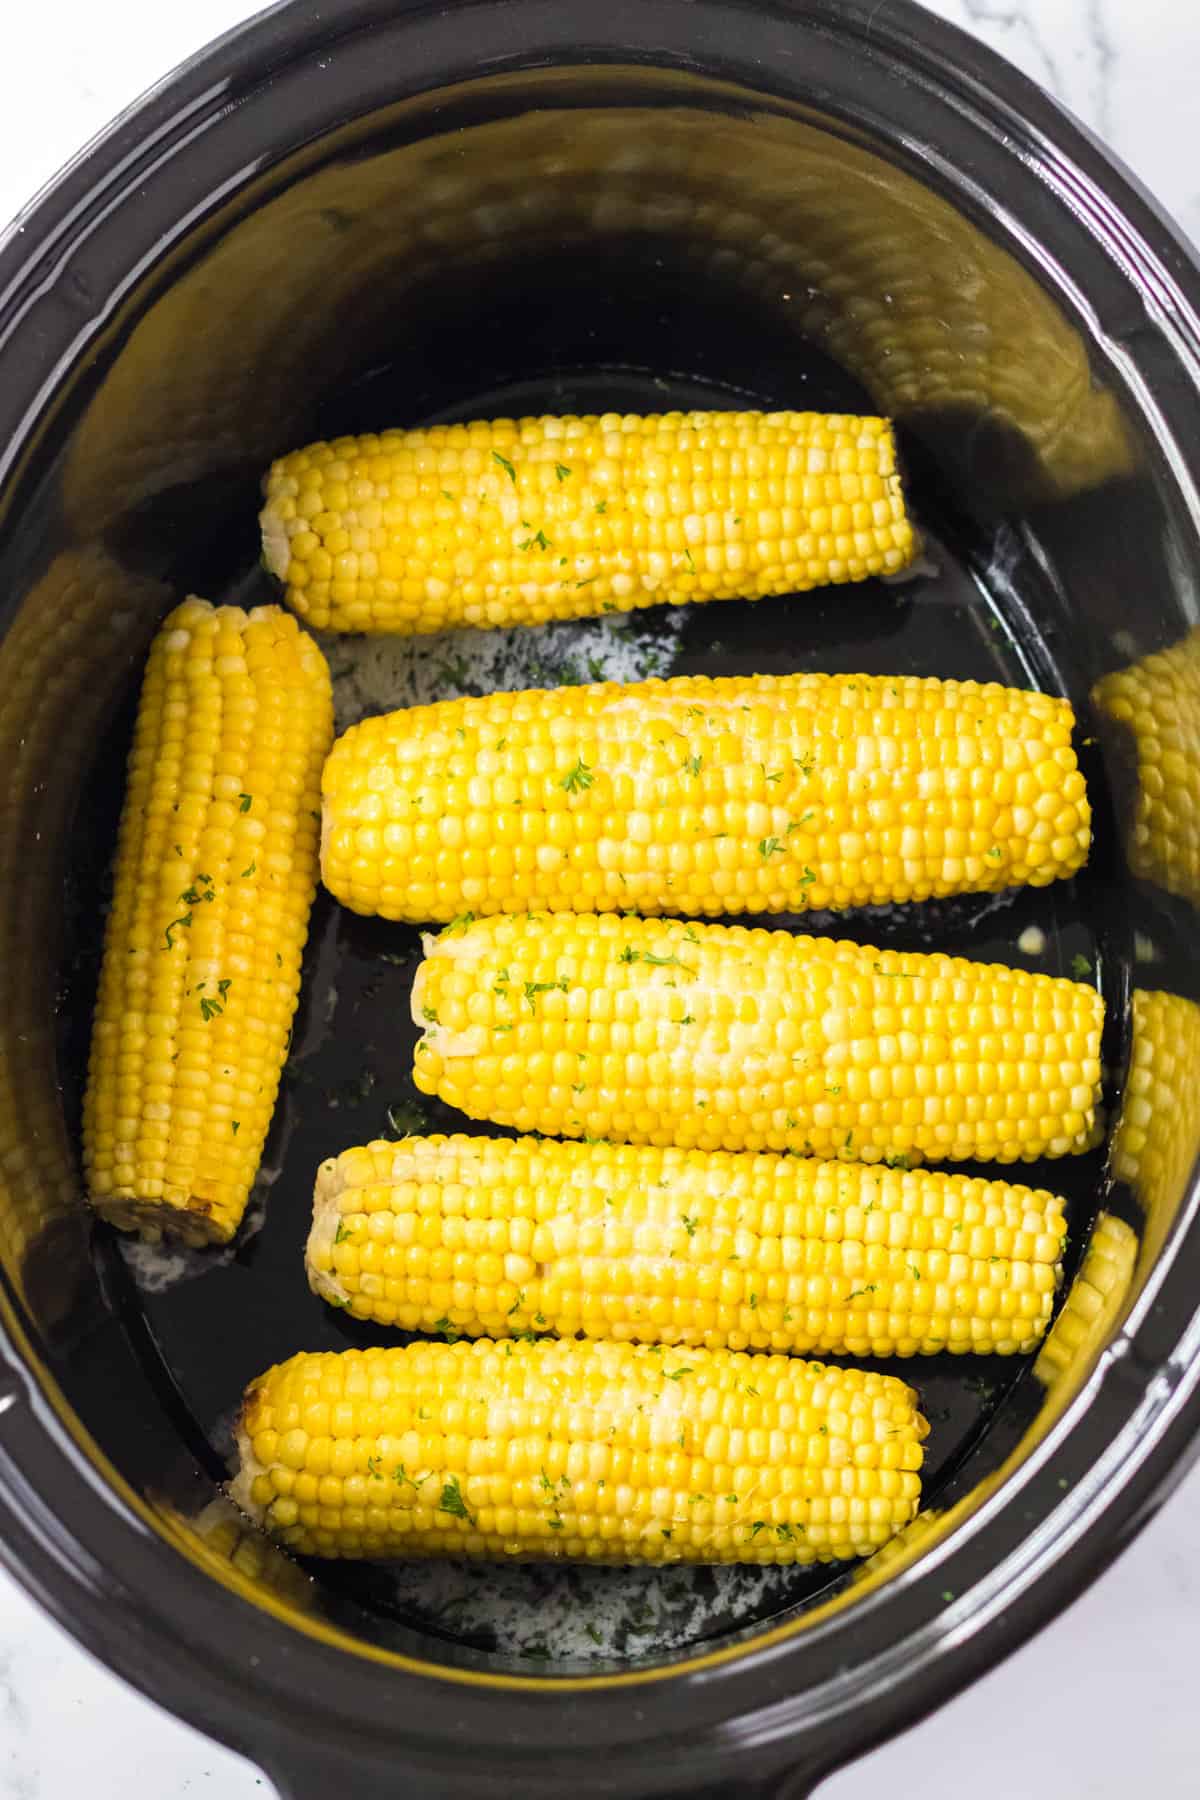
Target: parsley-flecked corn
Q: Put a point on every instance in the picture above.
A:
(215, 874)
(512, 522)
(619, 1453)
(476, 1236)
(754, 794)
(716, 1037)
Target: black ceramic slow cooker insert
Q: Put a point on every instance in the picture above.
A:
(394, 213)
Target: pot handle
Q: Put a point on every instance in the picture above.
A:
(329, 1778)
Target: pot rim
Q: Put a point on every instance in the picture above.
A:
(82, 1543)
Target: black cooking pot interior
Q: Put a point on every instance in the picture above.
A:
(406, 215)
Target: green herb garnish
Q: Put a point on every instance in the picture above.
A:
(452, 1501)
(578, 778)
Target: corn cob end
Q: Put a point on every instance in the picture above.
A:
(276, 552)
(326, 1232)
(250, 1470)
(193, 1222)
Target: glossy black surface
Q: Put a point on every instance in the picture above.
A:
(415, 213)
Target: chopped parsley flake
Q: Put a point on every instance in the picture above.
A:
(452, 1501)
(578, 778)
(630, 955)
(508, 470)
(402, 1478)
(534, 988)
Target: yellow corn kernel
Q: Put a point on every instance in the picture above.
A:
(616, 1453)
(682, 1247)
(713, 1037)
(758, 794)
(512, 522)
(215, 874)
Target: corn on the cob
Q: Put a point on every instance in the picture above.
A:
(215, 874)
(512, 522)
(720, 1038)
(1157, 699)
(599, 1452)
(487, 1237)
(702, 796)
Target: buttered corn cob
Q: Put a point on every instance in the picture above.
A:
(720, 1038)
(490, 1237)
(702, 796)
(215, 874)
(615, 1453)
(512, 522)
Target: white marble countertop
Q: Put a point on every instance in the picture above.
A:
(1100, 1705)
